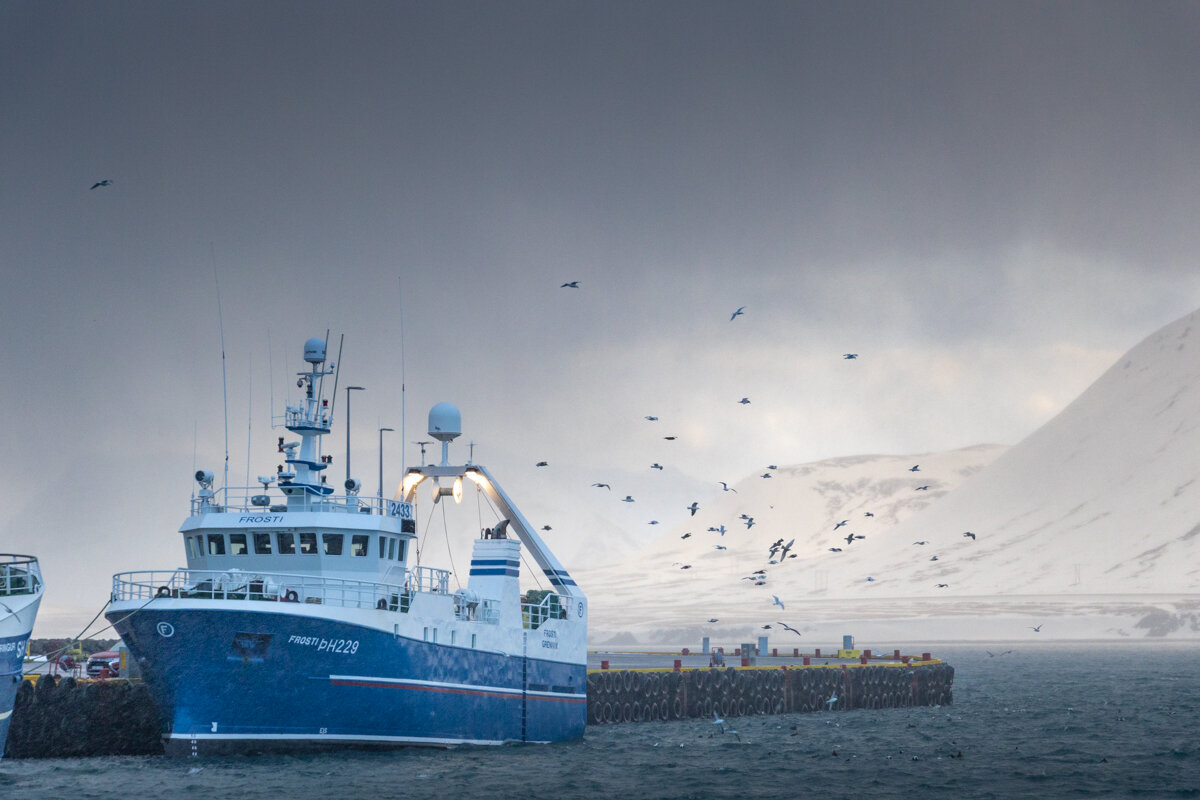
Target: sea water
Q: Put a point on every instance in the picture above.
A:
(1059, 721)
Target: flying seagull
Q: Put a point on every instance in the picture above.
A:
(745, 401)
(547, 528)
(924, 488)
(849, 356)
(652, 522)
(737, 313)
(840, 524)
(868, 514)
(652, 419)
(766, 475)
(942, 586)
(541, 464)
(750, 523)
(719, 547)
(766, 627)
(714, 619)
(831, 701)
(602, 486)
(915, 468)
(570, 285)
(776, 601)
(725, 487)
(921, 542)
(694, 507)
(628, 499)
(787, 627)
(968, 533)
(656, 465)
(685, 536)
(104, 182)
(835, 549)
(670, 438)
(1038, 629)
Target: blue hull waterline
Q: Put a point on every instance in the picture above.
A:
(274, 681)
(12, 656)
(305, 619)
(20, 595)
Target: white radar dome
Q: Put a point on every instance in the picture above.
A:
(314, 350)
(445, 422)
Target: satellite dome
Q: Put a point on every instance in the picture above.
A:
(314, 350)
(445, 422)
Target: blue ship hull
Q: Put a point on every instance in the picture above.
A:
(12, 659)
(242, 681)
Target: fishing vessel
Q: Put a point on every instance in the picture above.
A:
(306, 620)
(20, 595)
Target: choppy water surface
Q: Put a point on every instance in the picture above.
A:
(1048, 722)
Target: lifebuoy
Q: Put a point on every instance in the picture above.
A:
(164, 591)
(381, 604)
(290, 596)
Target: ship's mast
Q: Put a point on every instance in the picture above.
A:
(310, 419)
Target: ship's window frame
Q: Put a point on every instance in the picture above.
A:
(236, 541)
(193, 548)
(360, 544)
(392, 548)
(400, 552)
(262, 537)
(333, 544)
(383, 547)
(217, 539)
(308, 544)
(287, 543)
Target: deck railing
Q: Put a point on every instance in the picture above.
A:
(279, 587)
(19, 575)
(239, 499)
(540, 606)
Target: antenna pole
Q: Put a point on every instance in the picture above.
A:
(224, 383)
(249, 417)
(403, 416)
(270, 384)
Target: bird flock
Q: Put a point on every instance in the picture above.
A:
(780, 552)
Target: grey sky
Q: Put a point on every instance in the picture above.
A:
(989, 202)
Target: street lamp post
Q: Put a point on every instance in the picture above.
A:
(348, 390)
(381, 430)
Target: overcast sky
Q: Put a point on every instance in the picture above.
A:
(989, 203)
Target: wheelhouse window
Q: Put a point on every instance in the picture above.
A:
(401, 554)
(333, 543)
(193, 548)
(358, 544)
(262, 544)
(308, 544)
(216, 544)
(287, 544)
(392, 549)
(383, 547)
(237, 544)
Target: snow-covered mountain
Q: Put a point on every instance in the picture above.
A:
(1091, 525)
